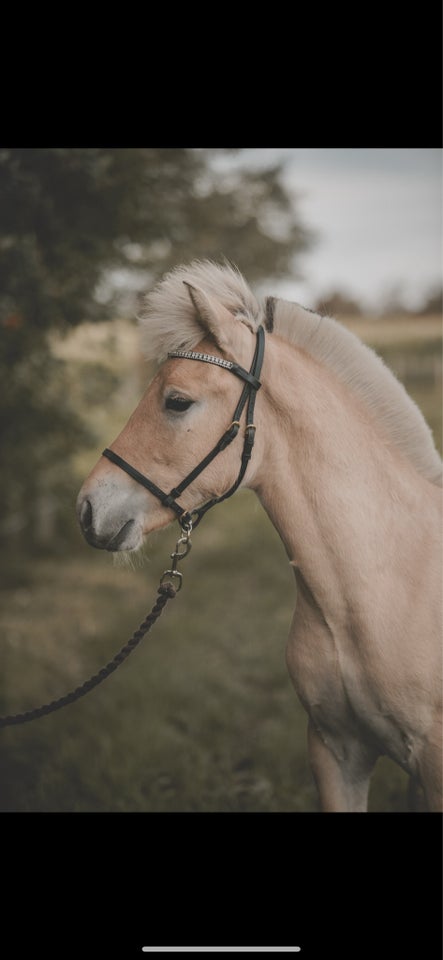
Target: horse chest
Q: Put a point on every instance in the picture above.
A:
(337, 691)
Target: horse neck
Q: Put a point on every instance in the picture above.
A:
(328, 479)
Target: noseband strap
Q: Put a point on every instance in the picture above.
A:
(248, 395)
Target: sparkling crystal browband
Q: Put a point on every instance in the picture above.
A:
(206, 357)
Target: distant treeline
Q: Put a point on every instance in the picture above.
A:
(337, 303)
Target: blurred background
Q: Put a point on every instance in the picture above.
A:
(203, 716)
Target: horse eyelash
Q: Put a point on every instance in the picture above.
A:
(180, 404)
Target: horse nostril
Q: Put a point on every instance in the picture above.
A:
(86, 515)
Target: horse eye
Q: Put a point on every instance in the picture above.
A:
(178, 403)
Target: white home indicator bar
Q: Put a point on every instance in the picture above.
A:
(221, 949)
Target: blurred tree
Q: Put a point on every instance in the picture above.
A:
(337, 304)
(433, 303)
(78, 225)
(394, 302)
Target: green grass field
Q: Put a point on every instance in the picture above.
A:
(203, 716)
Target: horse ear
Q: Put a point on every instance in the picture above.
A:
(215, 319)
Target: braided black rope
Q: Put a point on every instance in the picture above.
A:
(166, 592)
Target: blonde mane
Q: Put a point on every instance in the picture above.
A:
(168, 319)
(168, 322)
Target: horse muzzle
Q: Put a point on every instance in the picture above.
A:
(117, 541)
(106, 524)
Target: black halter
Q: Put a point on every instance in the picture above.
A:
(252, 384)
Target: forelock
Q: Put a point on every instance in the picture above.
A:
(168, 320)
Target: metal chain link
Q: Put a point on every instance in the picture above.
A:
(166, 591)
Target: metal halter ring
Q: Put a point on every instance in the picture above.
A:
(186, 522)
(169, 575)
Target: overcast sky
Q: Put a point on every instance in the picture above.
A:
(378, 216)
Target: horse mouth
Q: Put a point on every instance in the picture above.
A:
(115, 543)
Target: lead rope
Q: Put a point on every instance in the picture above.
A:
(166, 591)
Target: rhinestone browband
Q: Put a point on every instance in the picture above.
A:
(207, 357)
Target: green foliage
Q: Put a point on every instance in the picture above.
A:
(69, 214)
(75, 221)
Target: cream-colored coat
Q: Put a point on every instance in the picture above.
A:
(345, 466)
